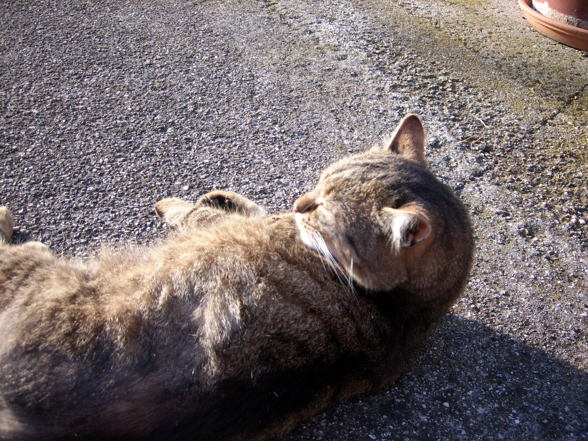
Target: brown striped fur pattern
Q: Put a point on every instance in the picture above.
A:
(239, 325)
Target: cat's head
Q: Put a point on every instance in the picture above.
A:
(384, 220)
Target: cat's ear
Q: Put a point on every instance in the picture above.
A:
(408, 139)
(406, 226)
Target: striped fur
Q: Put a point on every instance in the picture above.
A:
(239, 325)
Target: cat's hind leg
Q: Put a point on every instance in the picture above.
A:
(6, 225)
(7, 231)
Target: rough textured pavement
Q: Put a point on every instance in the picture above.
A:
(108, 106)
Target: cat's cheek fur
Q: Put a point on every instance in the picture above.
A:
(304, 235)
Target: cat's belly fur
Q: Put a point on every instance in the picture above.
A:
(211, 339)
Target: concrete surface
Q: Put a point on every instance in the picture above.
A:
(108, 106)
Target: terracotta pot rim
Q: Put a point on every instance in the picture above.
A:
(562, 32)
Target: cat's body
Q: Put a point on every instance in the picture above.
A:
(233, 328)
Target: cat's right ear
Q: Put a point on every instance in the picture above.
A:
(408, 139)
(406, 226)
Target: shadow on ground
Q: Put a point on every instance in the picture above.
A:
(494, 388)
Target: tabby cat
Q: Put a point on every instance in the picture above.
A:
(240, 325)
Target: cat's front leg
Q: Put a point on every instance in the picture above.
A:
(174, 211)
(181, 214)
(231, 202)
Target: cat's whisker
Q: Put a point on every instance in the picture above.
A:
(344, 278)
(324, 266)
(320, 245)
(350, 278)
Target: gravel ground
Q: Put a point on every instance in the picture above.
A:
(108, 106)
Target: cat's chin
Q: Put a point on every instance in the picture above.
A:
(320, 244)
(316, 242)
(344, 261)
(341, 257)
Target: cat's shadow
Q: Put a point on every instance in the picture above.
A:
(470, 383)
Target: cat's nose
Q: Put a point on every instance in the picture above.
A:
(304, 204)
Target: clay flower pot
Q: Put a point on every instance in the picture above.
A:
(558, 27)
(572, 12)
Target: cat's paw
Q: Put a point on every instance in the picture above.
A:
(6, 225)
(231, 202)
(173, 211)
